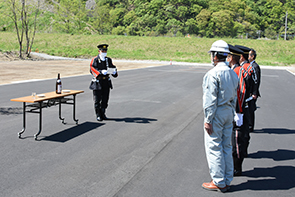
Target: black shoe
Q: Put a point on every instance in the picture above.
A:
(98, 118)
(98, 114)
(237, 173)
(103, 115)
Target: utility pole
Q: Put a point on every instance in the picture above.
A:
(285, 38)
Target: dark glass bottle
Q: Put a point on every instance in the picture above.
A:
(58, 85)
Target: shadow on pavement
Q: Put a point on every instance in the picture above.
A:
(73, 132)
(278, 155)
(133, 120)
(10, 110)
(275, 131)
(276, 178)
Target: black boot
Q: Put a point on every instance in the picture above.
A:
(98, 115)
(103, 115)
(238, 166)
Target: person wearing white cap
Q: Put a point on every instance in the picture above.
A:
(219, 102)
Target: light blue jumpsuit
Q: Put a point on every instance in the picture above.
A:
(219, 102)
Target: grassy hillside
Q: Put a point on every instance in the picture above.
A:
(270, 52)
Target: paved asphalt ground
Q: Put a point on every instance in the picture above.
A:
(153, 144)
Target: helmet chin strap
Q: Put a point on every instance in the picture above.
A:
(213, 54)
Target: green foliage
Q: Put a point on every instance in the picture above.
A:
(205, 18)
(70, 16)
(183, 49)
(120, 30)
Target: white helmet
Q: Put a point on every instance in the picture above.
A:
(220, 46)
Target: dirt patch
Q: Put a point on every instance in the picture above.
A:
(8, 56)
(14, 69)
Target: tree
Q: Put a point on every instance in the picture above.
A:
(191, 26)
(117, 16)
(71, 16)
(203, 21)
(24, 16)
(224, 18)
(4, 17)
(173, 26)
(290, 8)
(100, 19)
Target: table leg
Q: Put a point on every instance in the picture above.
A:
(74, 109)
(24, 121)
(59, 105)
(40, 120)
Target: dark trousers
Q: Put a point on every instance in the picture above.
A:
(240, 141)
(101, 98)
(252, 109)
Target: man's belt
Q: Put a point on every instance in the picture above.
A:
(102, 77)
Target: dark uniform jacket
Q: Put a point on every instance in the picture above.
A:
(246, 85)
(96, 66)
(257, 70)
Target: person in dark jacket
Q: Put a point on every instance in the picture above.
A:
(241, 136)
(101, 67)
(252, 103)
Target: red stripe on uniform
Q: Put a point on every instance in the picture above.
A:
(93, 70)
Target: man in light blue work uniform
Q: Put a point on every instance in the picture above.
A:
(219, 102)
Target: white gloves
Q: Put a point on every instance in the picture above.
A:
(104, 72)
(115, 71)
(239, 119)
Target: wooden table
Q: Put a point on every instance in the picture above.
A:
(40, 101)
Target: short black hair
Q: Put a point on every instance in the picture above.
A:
(220, 55)
(246, 56)
(236, 58)
(254, 53)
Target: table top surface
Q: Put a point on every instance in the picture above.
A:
(46, 96)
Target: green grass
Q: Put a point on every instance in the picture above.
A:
(269, 52)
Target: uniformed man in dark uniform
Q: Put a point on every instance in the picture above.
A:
(234, 56)
(101, 67)
(252, 103)
(241, 136)
(245, 55)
